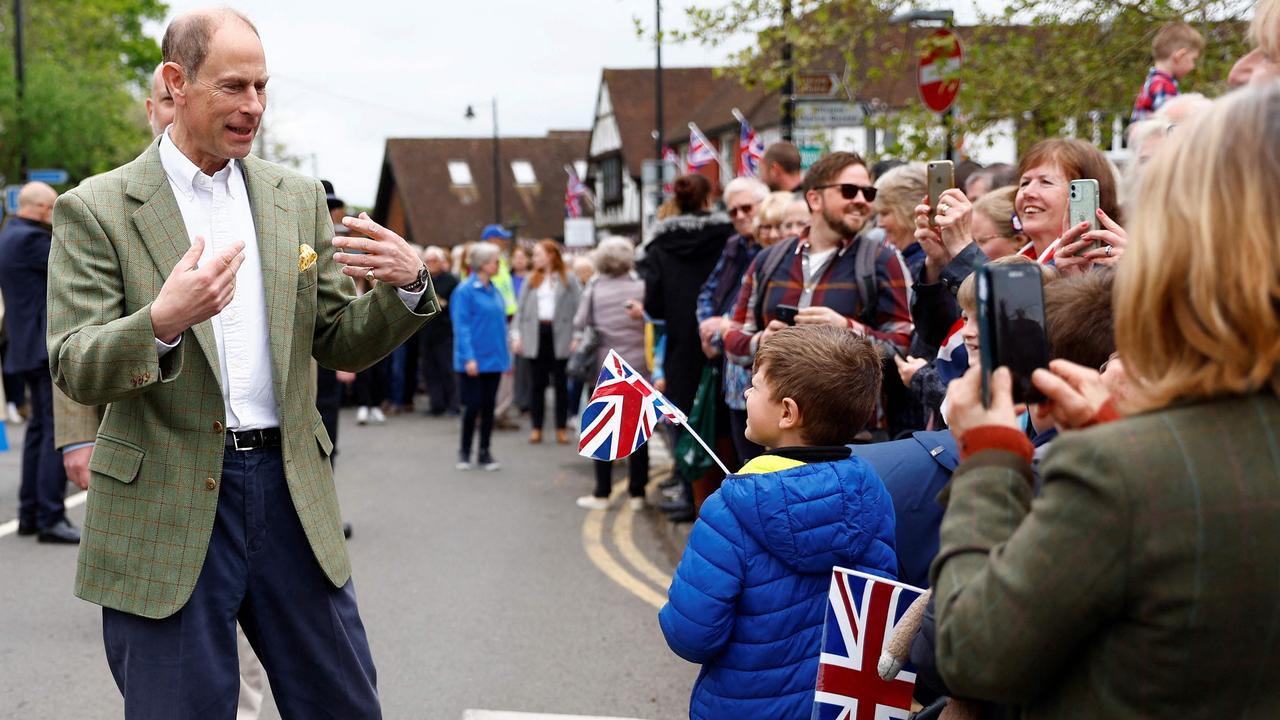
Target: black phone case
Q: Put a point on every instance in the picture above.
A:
(1017, 342)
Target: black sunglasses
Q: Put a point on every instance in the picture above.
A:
(849, 191)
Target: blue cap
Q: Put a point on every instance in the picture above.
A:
(495, 231)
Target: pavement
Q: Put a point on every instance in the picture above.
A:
(486, 595)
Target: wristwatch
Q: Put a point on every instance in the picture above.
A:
(420, 284)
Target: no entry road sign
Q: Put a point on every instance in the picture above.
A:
(936, 71)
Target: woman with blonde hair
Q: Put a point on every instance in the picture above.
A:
(1142, 583)
(993, 227)
(898, 192)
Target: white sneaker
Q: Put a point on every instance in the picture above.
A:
(464, 461)
(636, 504)
(14, 416)
(362, 415)
(375, 414)
(591, 502)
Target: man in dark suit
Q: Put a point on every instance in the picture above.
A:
(24, 272)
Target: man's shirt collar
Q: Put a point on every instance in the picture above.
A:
(183, 173)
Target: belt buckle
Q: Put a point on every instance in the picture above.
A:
(235, 441)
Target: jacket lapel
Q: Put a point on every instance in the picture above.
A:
(159, 223)
(277, 230)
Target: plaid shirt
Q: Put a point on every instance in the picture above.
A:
(1159, 88)
(836, 289)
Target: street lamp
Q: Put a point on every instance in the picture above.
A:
(497, 182)
(947, 19)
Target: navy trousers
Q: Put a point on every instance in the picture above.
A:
(260, 571)
(44, 479)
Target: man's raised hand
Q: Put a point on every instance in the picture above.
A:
(387, 255)
(193, 294)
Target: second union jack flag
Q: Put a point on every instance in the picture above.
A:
(861, 616)
(622, 412)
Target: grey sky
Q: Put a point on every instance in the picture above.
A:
(348, 75)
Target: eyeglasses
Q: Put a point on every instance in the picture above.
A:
(1103, 367)
(743, 210)
(849, 191)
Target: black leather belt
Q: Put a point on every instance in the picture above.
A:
(253, 439)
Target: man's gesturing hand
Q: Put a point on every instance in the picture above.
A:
(391, 259)
(193, 294)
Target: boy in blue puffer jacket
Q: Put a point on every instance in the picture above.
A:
(749, 596)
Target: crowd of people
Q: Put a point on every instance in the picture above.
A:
(1102, 551)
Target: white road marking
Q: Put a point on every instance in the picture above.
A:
(507, 715)
(76, 500)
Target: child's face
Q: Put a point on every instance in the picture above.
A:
(969, 334)
(1184, 61)
(764, 414)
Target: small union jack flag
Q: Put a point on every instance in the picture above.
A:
(861, 617)
(573, 192)
(622, 412)
(701, 151)
(750, 148)
(669, 156)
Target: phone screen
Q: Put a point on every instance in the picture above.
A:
(786, 313)
(1011, 327)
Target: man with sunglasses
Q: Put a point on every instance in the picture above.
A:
(833, 274)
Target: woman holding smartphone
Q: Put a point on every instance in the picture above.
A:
(1142, 582)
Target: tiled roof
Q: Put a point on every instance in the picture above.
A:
(415, 176)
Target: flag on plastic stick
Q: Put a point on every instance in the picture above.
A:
(750, 148)
(701, 151)
(862, 613)
(622, 412)
(669, 156)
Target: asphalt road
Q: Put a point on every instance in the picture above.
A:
(479, 590)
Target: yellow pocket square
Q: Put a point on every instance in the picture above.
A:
(306, 257)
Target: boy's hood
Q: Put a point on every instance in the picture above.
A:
(810, 517)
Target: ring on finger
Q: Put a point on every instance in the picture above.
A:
(943, 208)
(1108, 251)
(369, 275)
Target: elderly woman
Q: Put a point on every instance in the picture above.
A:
(478, 312)
(613, 307)
(993, 227)
(542, 331)
(1142, 583)
(898, 192)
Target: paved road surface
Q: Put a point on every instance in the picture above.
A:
(480, 591)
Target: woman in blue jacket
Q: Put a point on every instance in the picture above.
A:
(480, 356)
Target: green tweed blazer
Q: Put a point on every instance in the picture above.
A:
(1144, 582)
(157, 465)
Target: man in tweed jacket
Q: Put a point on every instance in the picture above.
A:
(190, 290)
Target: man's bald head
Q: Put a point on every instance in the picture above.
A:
(35, 202)
(187, 39)
(159, 103)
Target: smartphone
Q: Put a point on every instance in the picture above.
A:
(1011, 327)
(1082, 206)
(786, 313)
(942, 177)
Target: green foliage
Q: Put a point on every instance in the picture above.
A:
(88, 65)
(1046, 64)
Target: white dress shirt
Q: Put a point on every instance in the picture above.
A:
(217, 209)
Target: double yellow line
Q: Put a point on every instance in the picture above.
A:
(637, 575)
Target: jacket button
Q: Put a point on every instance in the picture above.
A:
(217, 426)
(210, 484)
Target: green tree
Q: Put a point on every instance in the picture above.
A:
(1046, 64)
(88, 65)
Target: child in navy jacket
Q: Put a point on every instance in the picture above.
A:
(749, 596)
